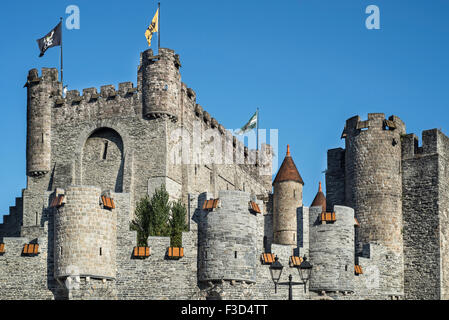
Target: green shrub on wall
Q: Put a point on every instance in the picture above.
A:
(177, 223)
(141, 223)
(160, 213)
(157, 217)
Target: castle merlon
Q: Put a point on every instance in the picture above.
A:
(375, 121)
(433, 142)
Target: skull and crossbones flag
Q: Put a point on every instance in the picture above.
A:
(52, 39)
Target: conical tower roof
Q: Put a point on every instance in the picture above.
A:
(288, 170)
(320, 199)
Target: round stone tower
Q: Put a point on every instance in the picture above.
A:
(374, 178)
(228, 240)
(287, 197)
(41, 91)
(85, 236)
(331, 248)
(161, 84)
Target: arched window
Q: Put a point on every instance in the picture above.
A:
(103, 161)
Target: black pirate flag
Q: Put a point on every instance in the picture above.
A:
(52, 39)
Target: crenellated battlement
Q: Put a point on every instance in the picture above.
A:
(375, 122)
(433, 141)
(91, 105)
(107, 92)
(47, 74)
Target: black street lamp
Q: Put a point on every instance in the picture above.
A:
(304, 272)
(290, 285)
(276, 271)
(305, 269)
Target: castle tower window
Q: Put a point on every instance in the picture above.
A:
(105, 150)
(235, 254)
(2, 248)
(101, 251)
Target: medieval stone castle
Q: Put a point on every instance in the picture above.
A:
(381, 232)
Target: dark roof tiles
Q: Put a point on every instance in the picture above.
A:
(320, 199)
(288, 170)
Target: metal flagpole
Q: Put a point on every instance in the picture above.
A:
(62, 65)
(159, 28)
(257, 129)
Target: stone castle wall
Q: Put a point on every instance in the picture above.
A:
(331, 250)
(335, 178)
(425, 217)
(28, 277)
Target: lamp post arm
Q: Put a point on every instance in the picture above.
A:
(293, 283)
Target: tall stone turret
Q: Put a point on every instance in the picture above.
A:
(85, 236)
(161, 84)
(373, 188)
(41, 93)
(373, 178)
(287, 197)
(228, 239)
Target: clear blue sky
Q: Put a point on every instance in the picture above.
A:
(309, 65)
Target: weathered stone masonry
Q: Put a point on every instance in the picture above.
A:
(390, 198)
(399, 193)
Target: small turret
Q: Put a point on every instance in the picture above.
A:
(287, 197)
(41, 91)
(320, 199)
(161, 84)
